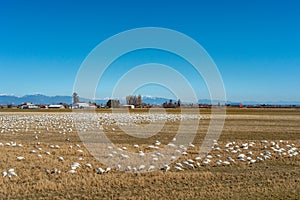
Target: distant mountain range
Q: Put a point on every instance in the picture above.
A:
(36, 99)
(43, 99)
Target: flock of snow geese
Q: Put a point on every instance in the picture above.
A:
(150, 157)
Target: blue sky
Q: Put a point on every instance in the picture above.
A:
(255, 44)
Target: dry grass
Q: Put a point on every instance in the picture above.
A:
(271, 179)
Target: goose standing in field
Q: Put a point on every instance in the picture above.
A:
(128, 169)
(4, 173)
(141, 153)
(19, 158)
(72, 171)
(11, 172)
(80, 151)
(231, 159)
(178, 168)
(88, 165)
(191, 145)
(107, 170)
(100, 170)
(166, 167)
(206, 161)
(56, 171)
(151, 168)
(141, 167)
(241, 157)
(75, 165)
(124, 156)
(47, 171)
(60, 158)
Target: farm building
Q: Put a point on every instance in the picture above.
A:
(82, 106)
(128, 106)
(29, 106)
(56, 106)
(112, 103)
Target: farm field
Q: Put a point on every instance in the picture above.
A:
(257, 156)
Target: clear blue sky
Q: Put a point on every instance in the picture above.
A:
(255, 44)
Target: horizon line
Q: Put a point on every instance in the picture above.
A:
(149, 96)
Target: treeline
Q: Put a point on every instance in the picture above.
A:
(171, 104)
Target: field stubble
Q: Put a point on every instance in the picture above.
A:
(276, 178)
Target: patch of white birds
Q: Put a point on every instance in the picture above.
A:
(227, 154)
(10, 173)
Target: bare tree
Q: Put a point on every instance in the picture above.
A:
(134, 100)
